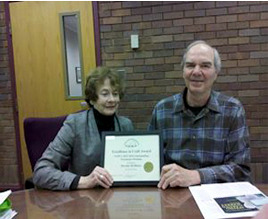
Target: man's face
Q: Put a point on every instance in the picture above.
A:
(199, 71)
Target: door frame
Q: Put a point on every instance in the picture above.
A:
(96, 28)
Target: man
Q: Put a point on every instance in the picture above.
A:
(204, 132)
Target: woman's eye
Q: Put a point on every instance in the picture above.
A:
(104, 94)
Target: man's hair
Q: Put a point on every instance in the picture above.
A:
(97, 77)
(217, 58)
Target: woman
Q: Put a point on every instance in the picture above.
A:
(78, 143)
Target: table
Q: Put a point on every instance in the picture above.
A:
(124, 202)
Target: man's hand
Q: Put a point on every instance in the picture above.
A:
(174, 175)
(99, 176)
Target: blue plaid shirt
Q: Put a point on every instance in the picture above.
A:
(215, 142)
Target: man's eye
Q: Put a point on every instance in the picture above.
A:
(189, 66)
(115, 93)
(206, 66)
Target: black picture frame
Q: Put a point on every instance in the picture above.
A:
(133, 135)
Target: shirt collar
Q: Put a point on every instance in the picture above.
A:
(213, 103)
(180, 106)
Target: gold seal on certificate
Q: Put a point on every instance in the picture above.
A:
(148, 167)
(133, 158)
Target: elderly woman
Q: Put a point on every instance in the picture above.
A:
(78, 143)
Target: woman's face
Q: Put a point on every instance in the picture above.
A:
(108, 99)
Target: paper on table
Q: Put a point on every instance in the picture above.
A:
(205, 195)
(8, 214)
(4, 196)
(230, 189)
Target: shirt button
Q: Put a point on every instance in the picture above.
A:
(194, 137)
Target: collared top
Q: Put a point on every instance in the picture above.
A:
(215, 142)
(78, 144)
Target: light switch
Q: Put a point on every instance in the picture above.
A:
(135, 41)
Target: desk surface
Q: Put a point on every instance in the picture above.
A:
(128, 202)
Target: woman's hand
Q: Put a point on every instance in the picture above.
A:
(99, 176)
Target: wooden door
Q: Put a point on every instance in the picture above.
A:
(38, 60)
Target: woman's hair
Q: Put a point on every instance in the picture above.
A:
(217, 58)
(97, 77)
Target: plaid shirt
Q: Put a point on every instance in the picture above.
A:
(215, 142)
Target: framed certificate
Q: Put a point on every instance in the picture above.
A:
(133, 158)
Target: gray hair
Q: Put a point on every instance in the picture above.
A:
(217, 58)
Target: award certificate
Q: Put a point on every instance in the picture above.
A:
(133, 158)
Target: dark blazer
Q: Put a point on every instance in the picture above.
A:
(77, 143)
